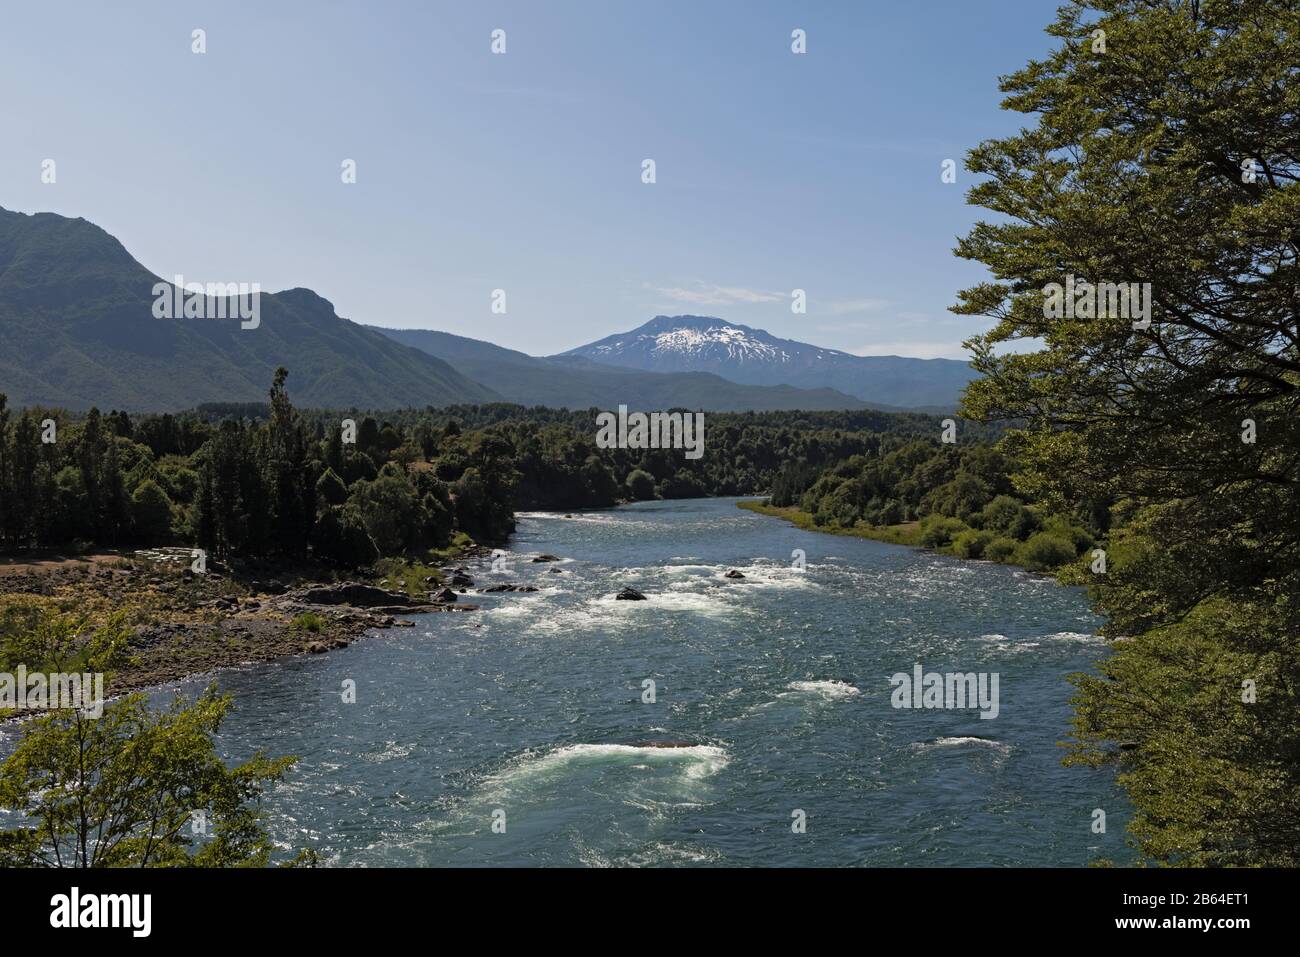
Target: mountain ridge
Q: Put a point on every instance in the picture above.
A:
(575, 382)
(77, 329)
(734, 351)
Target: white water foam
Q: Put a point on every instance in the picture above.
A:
(832, 690)
(674, 601)
(959, 741)
(694, 763)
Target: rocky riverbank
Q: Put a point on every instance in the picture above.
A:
(180, 623)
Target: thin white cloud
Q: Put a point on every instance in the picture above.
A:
(918, 349)
(711, 294)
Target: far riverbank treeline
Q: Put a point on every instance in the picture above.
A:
(347, 487)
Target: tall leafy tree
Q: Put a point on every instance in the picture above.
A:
(1163, 148)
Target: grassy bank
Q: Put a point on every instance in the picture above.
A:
(1065, 559)
(905, 533)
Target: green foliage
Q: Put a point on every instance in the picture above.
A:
(961, 498)
(1078, 537)
(640, 485)
(308, 621)
(121, 790)
(972, 543)
(1212, 782)
(31, 636)
(682, 484)
(151, 512)
(412, 577)
(938, 531)
(1001, 549)
(1044, 551)
(1141, 429)
(340, 538)
(330, 489)
(1008, 516)
(389, 511)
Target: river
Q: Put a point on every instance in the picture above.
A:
(531, 713)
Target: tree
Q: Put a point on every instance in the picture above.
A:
(151, 512)
(390, 511)
(330, 489)
(123, 789)
(640, 485)
(341, 538)
(293, 509)
(1166, 159)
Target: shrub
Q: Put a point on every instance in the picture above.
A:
(972, 543)
(1044, 551)
(389, 510)
(1007, 516)
(1000, 549)
(937, 531)
(681, 485)
(640, 485)
(961, 498)
(308, 621)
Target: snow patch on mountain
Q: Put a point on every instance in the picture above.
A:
(726, 340)
(755, 357)
(718, 341)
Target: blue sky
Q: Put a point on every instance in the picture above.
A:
(522, 171)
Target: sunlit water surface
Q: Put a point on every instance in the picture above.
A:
(533, 708)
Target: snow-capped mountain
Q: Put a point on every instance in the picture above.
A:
(755, 357)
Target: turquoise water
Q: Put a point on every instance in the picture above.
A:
(532, 708)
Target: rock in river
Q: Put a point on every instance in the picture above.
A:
(350, 593)
(629, 594)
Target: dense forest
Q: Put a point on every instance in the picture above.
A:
(345, 487)
(962, 495)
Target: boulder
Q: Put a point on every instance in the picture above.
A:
(350, 593)
(629, 594)
(546, 558)
(443, 596)
(734, 574)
